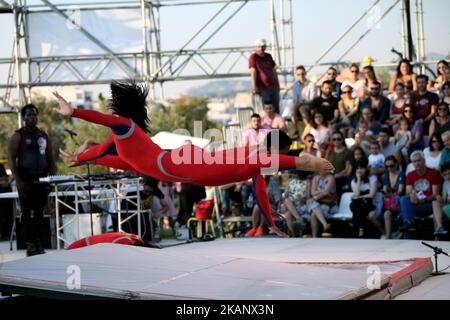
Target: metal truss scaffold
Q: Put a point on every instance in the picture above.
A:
(118, 192)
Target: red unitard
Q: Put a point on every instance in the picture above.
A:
(129, 148)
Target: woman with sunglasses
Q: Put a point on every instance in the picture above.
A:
(441, 121)
(347, 112)
(433, 152)
(404, 75)
(393, 189)
(416, 129)
(443, 72)
(339, 156)
(310, 147)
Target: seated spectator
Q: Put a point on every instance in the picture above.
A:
(364, 187)
(367, 115)
(318, 128)
(403, 138)
(416, 129)
(310, 148)
(339, 156)
(404, 75)
(446, 93)
(254, 135)
(347, 112)
(422, 190)
(432, 153)
(325, 103)
(356, 83)
(443, 72)
(379, 104)
(303, 92)
(363, 136)
(387, 146)
(393, 189)
(335, 85)
(424, 101)
(370, 78)
(444, 198)
(376, 159)
(398, 102)
(445, 152)
(296, 195)
(358, 154)
(441, 121)
(322, 201)
(272, 120)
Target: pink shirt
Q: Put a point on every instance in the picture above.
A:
(276, 123)
(252, 138)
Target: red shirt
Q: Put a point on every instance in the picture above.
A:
(423, 103)
(266, 77)
(424, 183)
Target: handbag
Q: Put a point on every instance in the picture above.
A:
(390, 203)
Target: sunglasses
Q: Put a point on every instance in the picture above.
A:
(354, 71)
(337, 139)
(310, 141)
(346, 92)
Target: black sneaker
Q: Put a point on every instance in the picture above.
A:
(39, 247)
(31, 250)
(407, 227)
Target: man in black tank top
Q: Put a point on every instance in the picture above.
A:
(30, 158)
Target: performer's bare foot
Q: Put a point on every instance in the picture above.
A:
(315, 164)
(278, 232)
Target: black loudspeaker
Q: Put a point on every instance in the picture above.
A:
(48, 242)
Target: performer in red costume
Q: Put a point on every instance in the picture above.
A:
(128, 147)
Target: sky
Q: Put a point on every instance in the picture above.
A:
(316, 25)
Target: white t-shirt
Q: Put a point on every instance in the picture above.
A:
(320, 136)
(365, 186)
(430, 161)
(376, 161)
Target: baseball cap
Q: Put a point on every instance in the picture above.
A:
(260, 42)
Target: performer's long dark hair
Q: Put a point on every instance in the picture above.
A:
(128, 100)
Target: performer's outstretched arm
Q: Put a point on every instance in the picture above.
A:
(263, 202)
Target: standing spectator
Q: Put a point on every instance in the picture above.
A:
(318, 128)
(340, 158)
(323, 199)
(422, 190)
(264, 75)
(303, 92)
(364, 187)
(30, 157)
(441, 121)
(393, 189)
(370, 78)
(445, 153)
(310, 146)
(335, 85)
(443, 70)
(424, 101)
(254, 135)
(404, 75)
(387, 147)
(432, 153)
(325, 103)
(347, 112)
(379, 104)
(416, 126)
(272, 120)
(6, 206)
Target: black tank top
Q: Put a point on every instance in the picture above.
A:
(32, 154)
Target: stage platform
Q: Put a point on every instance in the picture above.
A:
(234, 269)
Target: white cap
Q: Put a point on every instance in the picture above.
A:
(260, 42)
